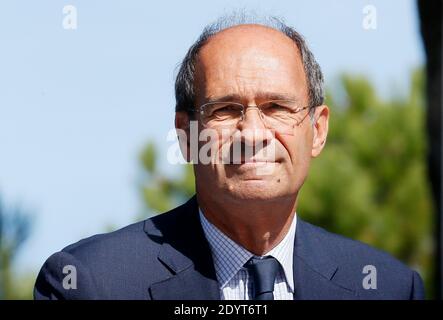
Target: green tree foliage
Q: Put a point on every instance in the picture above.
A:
(159, 192)
(369, 183)
(14, 230)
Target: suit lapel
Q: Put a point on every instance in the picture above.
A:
(314, 269)
(185, 252)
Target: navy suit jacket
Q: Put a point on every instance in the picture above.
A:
(167, 257)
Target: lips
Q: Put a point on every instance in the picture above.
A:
(255, 164)
(255, 170)
(252, 160)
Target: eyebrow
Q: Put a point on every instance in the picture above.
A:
(260, 96)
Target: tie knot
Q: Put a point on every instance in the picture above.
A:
(263, 271)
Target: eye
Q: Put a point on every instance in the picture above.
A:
(225, 108)
(275, 107)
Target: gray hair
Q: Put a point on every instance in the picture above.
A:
(184, 83)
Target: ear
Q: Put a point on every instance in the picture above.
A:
(320, 127)
(182, 125)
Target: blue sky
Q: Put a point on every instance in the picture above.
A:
(76, 106)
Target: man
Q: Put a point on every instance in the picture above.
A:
(253, 87)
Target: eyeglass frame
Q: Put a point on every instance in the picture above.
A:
(244, 109)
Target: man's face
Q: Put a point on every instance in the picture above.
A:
(252, 64)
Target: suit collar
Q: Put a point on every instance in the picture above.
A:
(185, 252)
(309, 247)
(316, 272)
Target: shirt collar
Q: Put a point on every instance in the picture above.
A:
(229, 257)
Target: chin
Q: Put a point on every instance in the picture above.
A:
(258, 190)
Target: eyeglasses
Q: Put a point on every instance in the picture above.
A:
(279, 115)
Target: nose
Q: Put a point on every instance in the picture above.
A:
(252, 118)
(253, 129)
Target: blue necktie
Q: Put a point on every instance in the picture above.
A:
(263, 272)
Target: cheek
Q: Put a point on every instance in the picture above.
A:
(214, 147)
(299, 154)
(300, 162)
(298, 167)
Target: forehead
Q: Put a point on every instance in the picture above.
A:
(247, 59)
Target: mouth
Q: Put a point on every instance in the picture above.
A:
(254, 170)
(253, 161)
(253, 164)
(256, 163)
